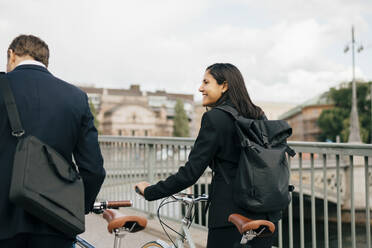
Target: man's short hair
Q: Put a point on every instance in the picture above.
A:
(32, 46)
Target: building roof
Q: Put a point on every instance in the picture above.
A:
(172, 96)
(125, 103)
(321, 99)
(91, 90)
(123, 92)
(134, 90)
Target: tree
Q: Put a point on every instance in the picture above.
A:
(94, 113)
(336, 122)
(181, 122)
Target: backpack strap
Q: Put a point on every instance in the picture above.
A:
(290, 151)
(264, 134)
(11, 107)
(231, 110)
(235, 114)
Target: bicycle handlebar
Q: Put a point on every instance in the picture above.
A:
(183, 197)
(98, 207)
(189, 199)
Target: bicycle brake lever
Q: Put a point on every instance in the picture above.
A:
(97, 211)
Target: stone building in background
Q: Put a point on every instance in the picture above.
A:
(132, 112)
(303, 118)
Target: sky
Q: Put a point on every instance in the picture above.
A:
(287, 51)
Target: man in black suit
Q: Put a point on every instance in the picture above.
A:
(58, 114)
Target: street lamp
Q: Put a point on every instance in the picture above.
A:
(354, 136)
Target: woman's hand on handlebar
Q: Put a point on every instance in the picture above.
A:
(140, 187)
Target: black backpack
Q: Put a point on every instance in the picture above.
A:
(261, 183)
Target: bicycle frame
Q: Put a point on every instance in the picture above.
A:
(82, 243)
(187, 220)
(184, 231)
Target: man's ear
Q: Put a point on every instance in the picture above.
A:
(11, 60)
(11, 56)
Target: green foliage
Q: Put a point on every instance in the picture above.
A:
(181, 122)
(336, 121)
(94, 113)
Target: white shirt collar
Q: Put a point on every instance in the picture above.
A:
(31, 62)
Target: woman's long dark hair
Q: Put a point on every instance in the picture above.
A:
(237, 92)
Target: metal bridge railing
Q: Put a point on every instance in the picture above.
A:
(335, 173)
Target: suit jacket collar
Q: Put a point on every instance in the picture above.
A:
(32, 67)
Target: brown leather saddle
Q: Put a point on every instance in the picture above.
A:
(117, 220)
(245, 224)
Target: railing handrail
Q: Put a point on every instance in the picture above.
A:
(354, 149)
(148, 140)
(299, 146)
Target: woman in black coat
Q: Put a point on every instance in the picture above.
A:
(218, 141)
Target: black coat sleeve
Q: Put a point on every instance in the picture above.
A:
(204, 150)
(89, 159)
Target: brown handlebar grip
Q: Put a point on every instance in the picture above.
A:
(119, 204)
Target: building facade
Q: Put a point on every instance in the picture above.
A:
(132, 112)
(304, 117)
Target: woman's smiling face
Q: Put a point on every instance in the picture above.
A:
(210, 89)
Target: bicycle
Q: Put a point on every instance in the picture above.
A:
(248, 228)
(121, 225)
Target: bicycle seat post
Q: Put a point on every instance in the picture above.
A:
(119, 235)
(248, 236)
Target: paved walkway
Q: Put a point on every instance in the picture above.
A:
(96, 232)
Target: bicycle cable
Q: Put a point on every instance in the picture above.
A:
(162, 223)
(192, 217)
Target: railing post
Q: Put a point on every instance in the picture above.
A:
(302, 222)
(151, 176)
(352, 206)
(280, 234)
(290, 214)
(339, 220)
(313, 218)
(325, 202)
(368, 227)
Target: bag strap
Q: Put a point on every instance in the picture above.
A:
(231, 110)
(264, 134)
(11, 107)
(235, 114)
(290, 151)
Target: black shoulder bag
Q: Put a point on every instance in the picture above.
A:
(43, 183)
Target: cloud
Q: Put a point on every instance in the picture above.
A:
(281, 47)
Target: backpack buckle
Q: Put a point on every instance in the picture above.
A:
(18, 133)
(265, 140)
(245, 143)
